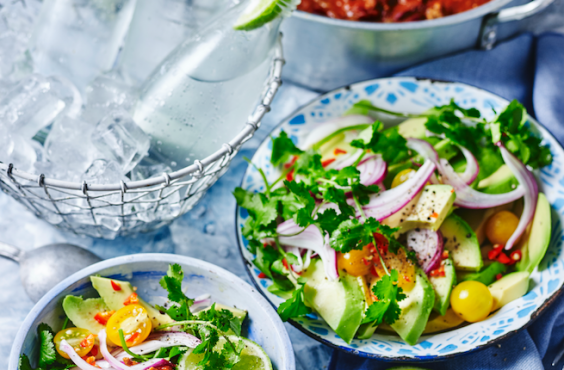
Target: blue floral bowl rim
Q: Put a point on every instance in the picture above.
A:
(248, 266)
(26, 326)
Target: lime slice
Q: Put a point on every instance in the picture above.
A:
(253, 357)
(260, 12)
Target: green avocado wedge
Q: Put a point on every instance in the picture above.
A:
(415, 309)
(114, 298)
(462, 244)
(536, 240)
(341, 303)
(443, 286)
(81, 312)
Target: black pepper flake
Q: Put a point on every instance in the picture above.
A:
(469, 235)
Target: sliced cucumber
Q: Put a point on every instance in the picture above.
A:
(461, 242)
(443, 286)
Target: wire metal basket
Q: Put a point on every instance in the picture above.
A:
(106, 211)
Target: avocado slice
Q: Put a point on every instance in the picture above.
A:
(438, 323)
(426, 210)
(413, 128)
(536, 240)
(415, 309)
(81, 312)
(340, 303)
(499, 182)
(461, 242)
(488, 275)
(443, 286)
(509, 288)
(114, 299)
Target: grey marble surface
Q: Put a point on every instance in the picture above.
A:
(207, 232)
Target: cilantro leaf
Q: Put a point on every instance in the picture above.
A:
(294, 306)
(337, 196)
(47, 353)
(386, 307)
(172, 283)
(258, 205)
(389, 143)
(282, 148)
(362, 193)
(24, 363)
(329, 220)
(350, 234)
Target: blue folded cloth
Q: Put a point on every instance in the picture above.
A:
(530, 69)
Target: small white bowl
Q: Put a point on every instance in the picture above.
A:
(144, 271)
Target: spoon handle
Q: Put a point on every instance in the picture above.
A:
(10, 252)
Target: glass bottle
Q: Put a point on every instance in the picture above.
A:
(202, 93)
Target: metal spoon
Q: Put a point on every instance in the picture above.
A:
(43, 268)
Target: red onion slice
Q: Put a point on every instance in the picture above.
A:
(372, 170)
(78, 361)
(310, 238)
(528, 182)
(384, 204)
(327, 128)
(428, 246)
(296, 252)
(156, 362)
(160, 340)
(466, 197)
(200, 303)
(472, 167)
(345, 160)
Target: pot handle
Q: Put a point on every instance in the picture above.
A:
(488, 33)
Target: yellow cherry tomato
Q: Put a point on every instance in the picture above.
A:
(82, 340)
(400, 262)
(135, 323)
(402, 177)
(356, 262)
(471, 301)
(501, 226)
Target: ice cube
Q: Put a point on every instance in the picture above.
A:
(16, 24)
(119, 138)
(69, 144)
(104, 172)
(35, 103)
(79, 39)
(105, 94)
(17, 150)
(145, 171)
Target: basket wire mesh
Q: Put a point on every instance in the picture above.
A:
(109, 210)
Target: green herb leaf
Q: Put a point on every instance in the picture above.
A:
(24, 363)
(47, 352)
(350, 234)
(386, 308)
(282, 148)
(329, 220)
(258, 205)
(295, 306)
(389, 143)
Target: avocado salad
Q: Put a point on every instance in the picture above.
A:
(121, 331)
(412, 229)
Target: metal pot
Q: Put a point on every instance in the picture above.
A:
(324, 53)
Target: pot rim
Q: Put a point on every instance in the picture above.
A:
(480, 11)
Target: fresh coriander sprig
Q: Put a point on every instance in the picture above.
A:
(127, 350)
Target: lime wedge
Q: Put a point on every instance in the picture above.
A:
(253, 357)
(260, 12)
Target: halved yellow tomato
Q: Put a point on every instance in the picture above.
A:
(81, 340)
(134, 320)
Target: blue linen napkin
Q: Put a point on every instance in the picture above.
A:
(530, 69)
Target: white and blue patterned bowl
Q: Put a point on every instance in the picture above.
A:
(144, 271)
(412, 95)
